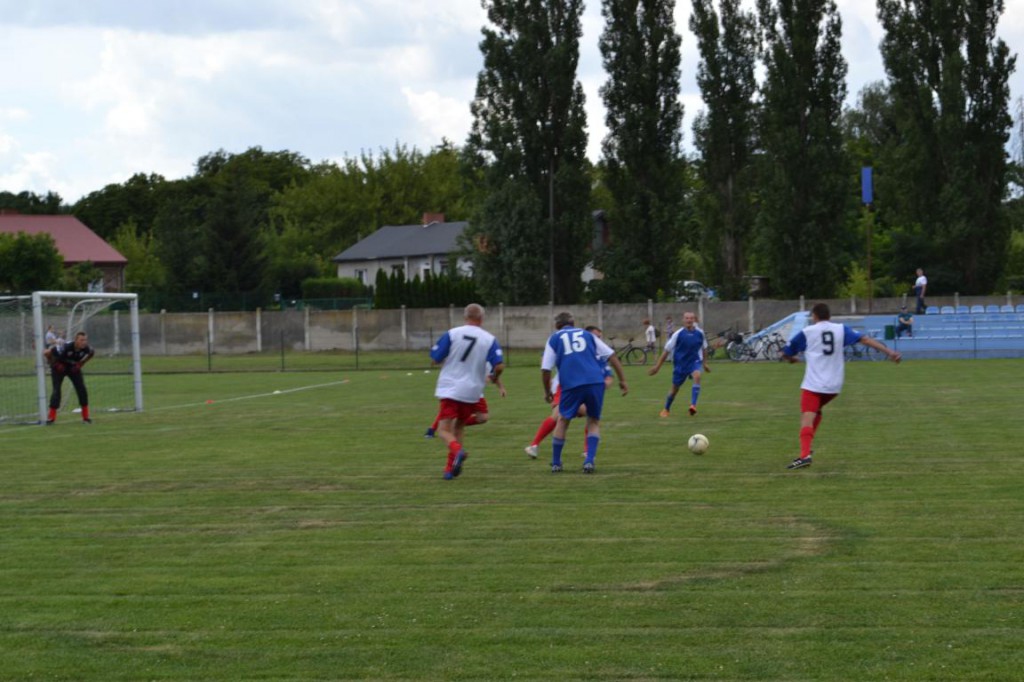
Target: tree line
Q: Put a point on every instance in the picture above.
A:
(772, 187)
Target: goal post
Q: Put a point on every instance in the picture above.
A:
(114, 376)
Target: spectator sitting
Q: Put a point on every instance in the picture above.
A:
(904, 323)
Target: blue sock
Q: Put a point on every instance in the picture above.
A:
(668, 401)
(556, 450)
(694, 394)
(592, 443)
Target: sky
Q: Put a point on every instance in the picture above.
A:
(94, 92)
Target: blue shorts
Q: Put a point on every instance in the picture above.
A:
(591, 395)
(680, 372)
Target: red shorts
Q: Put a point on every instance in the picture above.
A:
(453, 409)
(813, 402)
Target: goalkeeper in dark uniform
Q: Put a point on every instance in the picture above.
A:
(67, 361)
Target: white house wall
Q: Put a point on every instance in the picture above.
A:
(414, 265)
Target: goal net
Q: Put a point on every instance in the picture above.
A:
(29, 323)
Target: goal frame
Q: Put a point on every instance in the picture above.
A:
(38, 333)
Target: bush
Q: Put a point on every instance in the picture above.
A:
(334, 287)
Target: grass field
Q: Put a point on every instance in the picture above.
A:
(231, 532)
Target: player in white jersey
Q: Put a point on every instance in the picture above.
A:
(464, 354)
(822, 344)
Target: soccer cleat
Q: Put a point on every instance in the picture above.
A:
(448, 475)
(457, 464)
(693, 410)
(87, 421)
(531, 450)
(555, 468)
(664, 413)
(588, 467)
(800, 462)
(49, 422)
(429, 433)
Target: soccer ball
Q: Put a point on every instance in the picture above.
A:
(698, 444)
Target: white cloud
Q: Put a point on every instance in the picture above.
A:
(137, 87)
(437, 116)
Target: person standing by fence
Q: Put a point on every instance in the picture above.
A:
(920, 287)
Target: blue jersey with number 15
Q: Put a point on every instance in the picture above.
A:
(578, 355)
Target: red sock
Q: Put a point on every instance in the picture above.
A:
(52, 415)
(817, 420)
(437, 420)
(453, 449)
(546, 427)
(806, 438)
(85, 411)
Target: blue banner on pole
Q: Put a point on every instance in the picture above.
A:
(866, 189)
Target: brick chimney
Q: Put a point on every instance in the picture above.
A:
(429, 218)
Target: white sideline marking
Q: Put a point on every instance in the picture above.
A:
(248, 397)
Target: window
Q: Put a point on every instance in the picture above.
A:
(361, 275)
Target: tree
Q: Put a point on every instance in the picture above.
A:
(725, 135)
(30, 203)
(337, 205)
(949, 79)
(144, 272)
(804, 184)
(29, 262)
(136, 200)
(528, 140)
(642, 152)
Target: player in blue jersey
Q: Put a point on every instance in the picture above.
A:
(686, 347)
(577, 354)
(822, 344)
(464, 354)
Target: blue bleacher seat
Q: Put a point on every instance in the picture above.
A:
(991, 309)
(1006, 309)
(947, 310)
(976, 309)
(1020, 308)
(965, 309)
(931, 310)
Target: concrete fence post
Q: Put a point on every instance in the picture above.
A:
(405, 329)
(163, 331)
(209, 328)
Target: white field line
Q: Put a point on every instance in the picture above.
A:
(248, 397)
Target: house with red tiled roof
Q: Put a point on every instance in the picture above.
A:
(75, 242)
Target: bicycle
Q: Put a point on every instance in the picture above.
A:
(739, 350)
(859, 351)
(770, 347)
(719, 341)
(630, 354)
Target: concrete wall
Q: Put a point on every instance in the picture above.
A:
(516, 327)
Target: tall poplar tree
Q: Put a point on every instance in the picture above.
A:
(529, 139)
(725, 135)
(948, 75)
(644, 164)
(805, 187)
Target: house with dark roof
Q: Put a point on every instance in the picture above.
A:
(75, 242)
(411, 249)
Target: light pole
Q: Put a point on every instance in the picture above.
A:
(551, 230)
